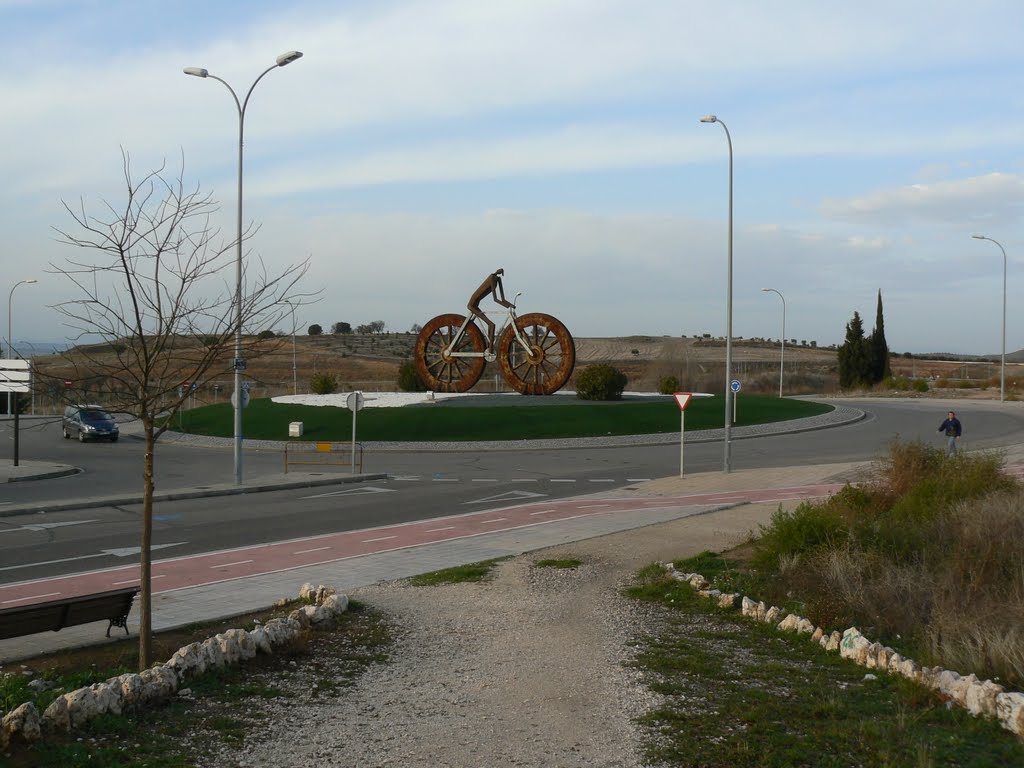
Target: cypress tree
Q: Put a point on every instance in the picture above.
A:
(855, 356)
(879, 348)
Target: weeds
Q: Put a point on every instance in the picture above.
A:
(472, 572)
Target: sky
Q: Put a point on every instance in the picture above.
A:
(417, 146)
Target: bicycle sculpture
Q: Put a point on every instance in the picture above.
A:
(536, 352)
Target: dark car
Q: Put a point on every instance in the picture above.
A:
(89, 422)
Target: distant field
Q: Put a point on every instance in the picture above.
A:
(267, 420)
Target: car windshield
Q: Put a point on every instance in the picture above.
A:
(96, 416)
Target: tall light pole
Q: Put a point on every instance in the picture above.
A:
(782, 353)
(295, 373)
(1002, 366)
(238, 364)
(728, 312)
(10, 336)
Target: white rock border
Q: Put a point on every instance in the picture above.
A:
(161, 681)
(982, 698)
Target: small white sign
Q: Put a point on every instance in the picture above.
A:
(735, 386)
(354, 401)
(15, 376)
(683, 398)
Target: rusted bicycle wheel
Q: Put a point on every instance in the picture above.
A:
(444, 372)
(544, 367)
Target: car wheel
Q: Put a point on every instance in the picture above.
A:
(81, 436)
(67, 435)
(113, 439)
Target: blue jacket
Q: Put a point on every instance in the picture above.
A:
(951, 427)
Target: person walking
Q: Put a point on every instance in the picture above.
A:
(952, 429)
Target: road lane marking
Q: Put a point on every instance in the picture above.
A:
(307, 551)
(30, 597)
(361, 490)
(136, 581)
(444, 528)
(483, 480)
(507, 496)
(445, 479)
(638, 479)
(595, 506)
(381, 538)
(542, 512)
(44, 526)
(229, 565)
(563, 481)
(601, 481)
(496, 520)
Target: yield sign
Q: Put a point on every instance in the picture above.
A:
(683, 398)
(510, 496)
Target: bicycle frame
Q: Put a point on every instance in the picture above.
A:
(489, 354)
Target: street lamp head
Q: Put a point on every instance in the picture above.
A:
(30, 280)
(287, 58)
(979, 237)
(195, 71)
(709, 119)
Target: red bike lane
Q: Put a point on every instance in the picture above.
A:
(226, 565)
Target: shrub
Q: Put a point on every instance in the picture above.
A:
(920, 385)
(600, 382)
(668, 385)
(323, 384)
(266, 335)
(409, 378)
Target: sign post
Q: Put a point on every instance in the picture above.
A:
(15, 377)
(735, 387)
(683, 400)
(354, 402)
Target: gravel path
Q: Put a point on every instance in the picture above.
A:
(530, 668)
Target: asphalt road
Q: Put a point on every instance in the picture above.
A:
(421, 484)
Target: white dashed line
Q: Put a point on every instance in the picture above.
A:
(638, 479)
(496, 520)
(483, 480)
(595, 506)
(307, 551)
(435, 530)
(600, 481)
(30, 597)
(446, 479)
(381, 538)
(230, 565)
(563, 481)
(136, 581)
(542, 512)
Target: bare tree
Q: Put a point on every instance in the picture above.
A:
(158, 294)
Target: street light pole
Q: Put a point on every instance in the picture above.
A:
(1002, 366)
(782, 353)
(295, 374)
(728, 311)
(10, 335)
(238, 363)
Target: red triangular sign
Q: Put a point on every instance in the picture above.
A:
(683, 398)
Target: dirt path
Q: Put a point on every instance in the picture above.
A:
(528, 669)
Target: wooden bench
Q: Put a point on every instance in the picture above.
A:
(114, 606)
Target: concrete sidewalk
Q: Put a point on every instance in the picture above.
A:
(228, 598)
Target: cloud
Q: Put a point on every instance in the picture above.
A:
(992, 197)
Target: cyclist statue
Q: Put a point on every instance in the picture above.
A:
(489, 287)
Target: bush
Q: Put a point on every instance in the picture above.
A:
(600, 382)
(668, 385)
(323, 384)
(409, 378)
(266, 335)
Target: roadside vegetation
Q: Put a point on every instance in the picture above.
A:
(928, 558)
(267, 420)
(460, 574)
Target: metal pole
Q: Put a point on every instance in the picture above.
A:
(782, 353)
(682, 439)
(295, 373)
(727, 463)
(237, 363)
(10, 335)
(1002, 365)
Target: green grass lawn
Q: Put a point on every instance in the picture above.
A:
(267, 420)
